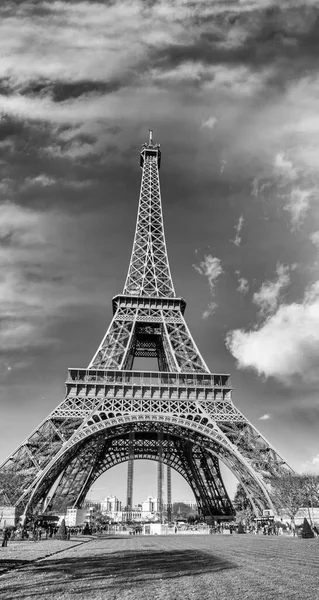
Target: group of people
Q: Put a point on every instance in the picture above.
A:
(35, 534)
(257, 528)
(221, 527)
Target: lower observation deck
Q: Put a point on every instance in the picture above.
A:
(151, 302)
(199, 386)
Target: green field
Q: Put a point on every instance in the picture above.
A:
(177, 567)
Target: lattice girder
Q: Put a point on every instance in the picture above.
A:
(164, 319)
(149, 272)
(186, 430)
(176, 452)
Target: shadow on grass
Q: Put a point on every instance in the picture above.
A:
(7, 564)
(114, 570)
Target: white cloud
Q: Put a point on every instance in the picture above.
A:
(88, 42)
(265, 417)
(268, 295)
(209, 123)
(211, 268)
(286, 345)
(243, 286)
(315, 460)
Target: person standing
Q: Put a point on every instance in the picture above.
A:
(5, 537)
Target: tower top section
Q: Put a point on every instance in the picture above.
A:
(149, 273)
(150, 150)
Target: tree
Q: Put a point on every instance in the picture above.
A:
(182, 511)
(311, 489)
(311, 493)
(86, 530)
(293, 491)
(243, 507)
(241, 500)
(241, 528)
(11, 485)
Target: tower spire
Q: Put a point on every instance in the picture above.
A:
(149, 273)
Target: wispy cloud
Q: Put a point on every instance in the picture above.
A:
(211, 268)
(298, 205)
(41, 180)
(297, 190)
(311, 465)
(37, 284)
(265, 417)
(315, 238)
(284, 167)
(209, 123)
(209, 310)
(268, 296)
(238, 228)
(243, 287)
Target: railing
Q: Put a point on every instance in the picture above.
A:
(106, 376)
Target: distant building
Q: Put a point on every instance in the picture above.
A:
(8, 516)
(190, 503)
(79, 516)
(135, 514)
(75, 517)
(111, 505)
(311, 514)
(150, 506)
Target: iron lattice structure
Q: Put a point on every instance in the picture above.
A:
(182, 415)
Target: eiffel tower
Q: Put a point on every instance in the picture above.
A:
(181, 415)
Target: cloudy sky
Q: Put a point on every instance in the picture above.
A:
(231, 91)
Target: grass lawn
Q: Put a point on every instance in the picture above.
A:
(162, 568)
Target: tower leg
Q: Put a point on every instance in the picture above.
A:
(160, 476)
(169, 494)
(130, 473)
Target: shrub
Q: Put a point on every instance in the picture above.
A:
(62, 534)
